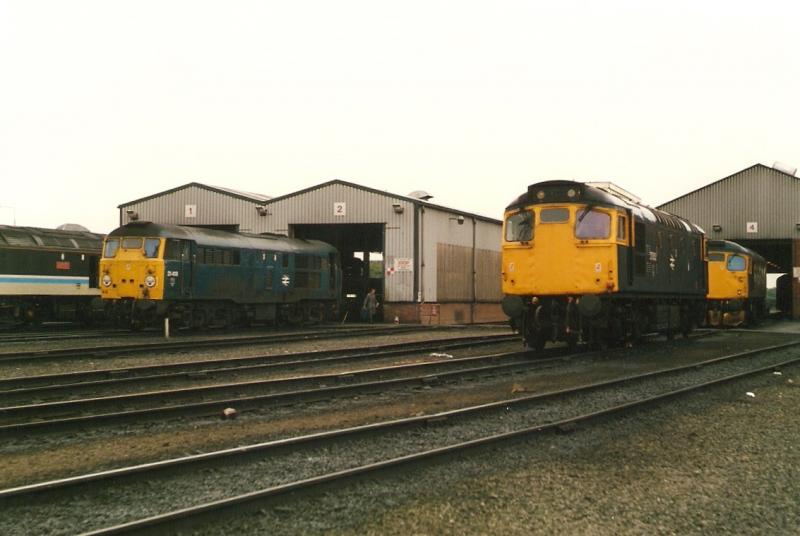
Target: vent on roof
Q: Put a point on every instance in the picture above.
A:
(420, 194)
(72, 227)
(785, 168)
(613, 189)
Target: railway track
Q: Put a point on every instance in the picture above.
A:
(95, 382)
(249, 395)
(193, 344)
(310, 461)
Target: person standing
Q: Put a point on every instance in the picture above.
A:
(370, 305)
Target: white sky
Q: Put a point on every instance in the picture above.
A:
(104, 102)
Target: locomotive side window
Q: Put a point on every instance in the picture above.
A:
(554, 215)
(131, 243)
(592, 225)
(112, 245)
(736, 263)
(622, 229)
(151, 247)
(519, 227)
(716, 257)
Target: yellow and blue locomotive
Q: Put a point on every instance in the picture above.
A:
(203, 277)
(737, 284)
(589, 262)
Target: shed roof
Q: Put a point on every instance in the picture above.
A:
(414, 200)
(246, 196)
(726, 178)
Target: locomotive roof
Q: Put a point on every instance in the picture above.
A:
(557, 192)
(50, 239)
(732, 247)
(222, 239)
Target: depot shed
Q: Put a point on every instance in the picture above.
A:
(759, 208)
(428, 263)
(198, 205)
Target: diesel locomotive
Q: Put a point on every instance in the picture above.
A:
(201, 277)
(48, 274)
(585, 262)
(737, 284)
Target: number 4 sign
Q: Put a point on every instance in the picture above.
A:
(339, 209)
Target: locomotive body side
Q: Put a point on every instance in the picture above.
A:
(47, 274)
(737, 284)
(199, 277)
(582, 264)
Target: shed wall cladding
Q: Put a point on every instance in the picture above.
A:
(758, 194)
(213, 208)
(360, 206)
(448, 251)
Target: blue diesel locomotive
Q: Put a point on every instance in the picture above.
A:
(202, 277)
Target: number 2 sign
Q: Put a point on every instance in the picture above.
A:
(339, 208)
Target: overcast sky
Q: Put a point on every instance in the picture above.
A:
(104, 102)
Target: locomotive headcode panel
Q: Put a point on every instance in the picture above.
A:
(584, 262)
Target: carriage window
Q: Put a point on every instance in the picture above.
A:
(112, 245)
(131, 243)
(519, 227)
(736, 263)
(554, 215)
(151, 247)
(589, 225)
(716, 257)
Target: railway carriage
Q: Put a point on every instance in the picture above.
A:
(737, 284)
(48, 274)
(201, 277)
(589, 262)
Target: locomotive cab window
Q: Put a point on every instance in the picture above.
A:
(716, 257)
(112, 245)
(592, 225)
(554, 215)
(519, 227)
(151, 247)
(736, 263)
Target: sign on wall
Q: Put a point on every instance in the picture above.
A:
(190, 211)
(403, 265)
(339, 208)
(752, 227)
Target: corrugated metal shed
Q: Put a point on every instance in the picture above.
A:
(414, 230)
(199, 204)
(757, 203)
(431, 253)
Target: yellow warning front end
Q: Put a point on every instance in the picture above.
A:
(562, 250)
(727, 288)
(132, 268)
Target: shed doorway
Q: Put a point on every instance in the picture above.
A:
(361, 249)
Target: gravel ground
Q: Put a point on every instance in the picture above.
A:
(39, 457)
(124, 502)
(58, 365)
(719, 462)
